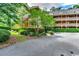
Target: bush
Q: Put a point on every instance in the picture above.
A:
(66, 30)
(32, 31)
(7, 28)
(50, 32)
(4, 35)
(28, 31)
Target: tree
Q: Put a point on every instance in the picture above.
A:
(11, 13)
(55, 9)
(41, 18)
(76, 6)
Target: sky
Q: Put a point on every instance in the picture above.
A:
(49, 5)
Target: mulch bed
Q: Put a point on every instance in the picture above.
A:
(11, 41)
(4, 45)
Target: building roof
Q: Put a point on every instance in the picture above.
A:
(65, 12)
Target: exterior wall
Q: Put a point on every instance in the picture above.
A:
(67, 21)
(66, 18)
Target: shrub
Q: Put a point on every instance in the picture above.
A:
(50, 32)
(28, 31)
(41, 34)
(24, 33)
(7, 28)
(66, 30)
(32, 31)
(4, 35)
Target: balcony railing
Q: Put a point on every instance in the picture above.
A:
(72, 24)
(67, 18)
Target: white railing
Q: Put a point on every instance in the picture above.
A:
(67, 18)
(67, 24)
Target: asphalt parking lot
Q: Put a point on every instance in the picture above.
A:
(59, 44)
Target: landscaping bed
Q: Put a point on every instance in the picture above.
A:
(14, 38)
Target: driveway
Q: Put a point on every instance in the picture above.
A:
(59, 44)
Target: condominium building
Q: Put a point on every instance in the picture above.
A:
(66, 18)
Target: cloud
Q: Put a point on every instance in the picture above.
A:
(48, 6)
(45, 5)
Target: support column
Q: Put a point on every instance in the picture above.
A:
(76, 22)
(61, 21)
(68, 22)
(65, 21)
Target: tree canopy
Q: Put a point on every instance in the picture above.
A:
(76, 6)
(11, 13)
(44, 18)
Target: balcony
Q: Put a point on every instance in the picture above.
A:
(67, 18)
(67, 25)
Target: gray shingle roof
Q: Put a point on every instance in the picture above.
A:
(65, 12)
